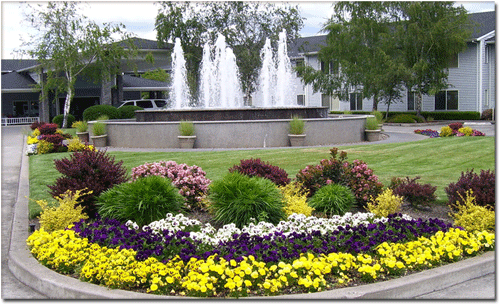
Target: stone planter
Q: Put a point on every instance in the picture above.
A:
(83, 136)
(297, 140)
(372, 135)
(99, 141)
(187, 142)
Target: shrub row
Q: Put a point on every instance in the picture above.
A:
(451, 115)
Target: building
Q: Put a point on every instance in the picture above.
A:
(471, 79)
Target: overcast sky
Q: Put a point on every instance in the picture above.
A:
(139, 17)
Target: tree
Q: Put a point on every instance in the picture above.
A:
(244, 24)
(68, 45)
(377, 44)
(157, 74)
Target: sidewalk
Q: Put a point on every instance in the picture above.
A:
(469, 279)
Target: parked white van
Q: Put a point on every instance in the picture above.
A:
(147, 104)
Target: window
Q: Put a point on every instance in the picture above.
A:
(145, 104)
(331, 67)
(486, 54)
(411, 101)
(300, 100)
(446, 100)
(160, 103)
(299, 63)
(453, 62)
(356, 101)
(325, 100)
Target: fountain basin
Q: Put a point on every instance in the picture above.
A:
(234, 134)
(219, 114)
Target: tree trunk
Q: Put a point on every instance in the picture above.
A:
(67, 105)
(44, 110)
(418, 104)
(375, 103)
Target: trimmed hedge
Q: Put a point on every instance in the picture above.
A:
(94, 112)
(59, 120)
(127, 112)
(436, 115)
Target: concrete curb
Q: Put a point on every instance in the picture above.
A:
(56, 286)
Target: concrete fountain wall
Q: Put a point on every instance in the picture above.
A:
(234, 134)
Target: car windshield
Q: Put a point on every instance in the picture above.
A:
(160, 103)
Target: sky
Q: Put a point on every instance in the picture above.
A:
(139, 18)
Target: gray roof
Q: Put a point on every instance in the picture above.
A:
(486, 23)
(146, 44)
(10, 65)
(132, 83)
(18, 82)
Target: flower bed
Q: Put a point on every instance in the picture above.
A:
(179, 256)
(453, 129)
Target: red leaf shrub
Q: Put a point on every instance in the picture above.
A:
(413, 192)
(256, 167)
(482, 186)
(91, 170)
(455, 126)
(36, 125)
(47, 129)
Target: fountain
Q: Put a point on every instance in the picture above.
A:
(220, 117)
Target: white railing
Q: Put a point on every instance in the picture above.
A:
(19, 120)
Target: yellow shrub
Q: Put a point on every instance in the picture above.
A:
(32, 140)
(295, 197)
(75, 144)
(59, 131)
(466, 130)
(385, 203)
(67, 212)
(446, 131)
(44, 147)
(35, 133)
(471, 216)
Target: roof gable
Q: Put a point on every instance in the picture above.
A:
(486, 22)
(18, 81)
(10, 65)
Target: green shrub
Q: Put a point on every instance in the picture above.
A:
(371, 123)
(238, 198)
(186, 128)
(404, 118)
(93, 112)
(80, 126)
(99, 128)
(59, 120)
(333, 199)
(297, 126)
(127, 112)
(143, 201)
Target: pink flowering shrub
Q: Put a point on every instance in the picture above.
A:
(363, 183)
(190, 180)
(356, 176)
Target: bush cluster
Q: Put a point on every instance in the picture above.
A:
(190, 180)
(94, 112)
(385, 203)
(89, 170)
(482, 185)
(143, 201)
(256, 167)
(65, 213)
(59, 120)
(487, 114)
(238, 198)
(453, 129)
(295, 197)
(413, 192)
(127, 112)
(333, 199)
(405, 118)
(472, 217)
(46, 138)
(356, 175)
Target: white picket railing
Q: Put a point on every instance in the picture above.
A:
(19, 120)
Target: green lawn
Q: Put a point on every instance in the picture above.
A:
(439, 161)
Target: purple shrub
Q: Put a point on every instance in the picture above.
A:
(256, 167)
(455, 126)
(482, 186)
(413, 192)
(36, 125)
(91, 170)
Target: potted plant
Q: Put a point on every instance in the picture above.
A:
(187, 137)
(99, 135)
(296, 132)
(81, 130)
(372, 129)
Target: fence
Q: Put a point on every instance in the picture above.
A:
(19, 120)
